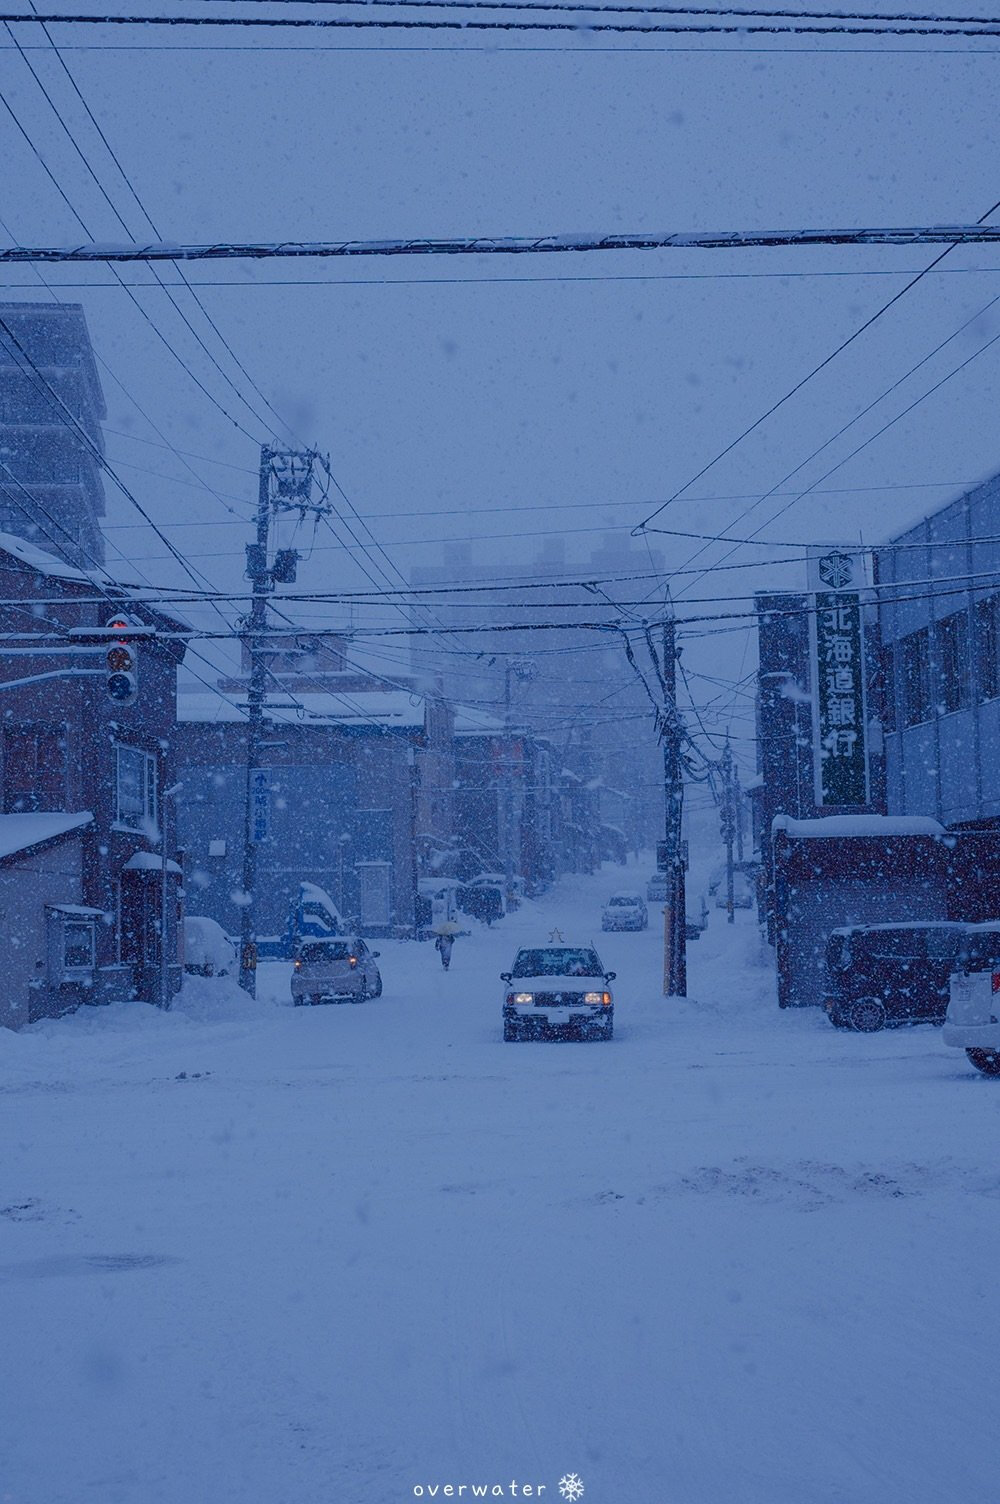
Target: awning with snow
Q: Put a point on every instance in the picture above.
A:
(148, 861)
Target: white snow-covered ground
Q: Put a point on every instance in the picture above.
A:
(251, 1254)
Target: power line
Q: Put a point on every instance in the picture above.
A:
(79, 218)
(643, 29)
(512, 245)
(827, 360)
(871, 439)
(142, 209)
(603, 8)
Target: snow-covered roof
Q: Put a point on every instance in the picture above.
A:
(21, 832)
(54, 568)
(36, 558)
(470, 722)
(149, 861)
(882, 826)
(396, 708)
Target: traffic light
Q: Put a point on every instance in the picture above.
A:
(122, 661)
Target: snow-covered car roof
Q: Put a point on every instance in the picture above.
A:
(629, 897)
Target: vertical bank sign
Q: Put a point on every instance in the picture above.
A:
(836, 584)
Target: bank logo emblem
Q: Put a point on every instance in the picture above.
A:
(836, 570)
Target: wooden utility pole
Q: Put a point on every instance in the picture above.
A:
(728, 828)
(284, 484)
(675, 909)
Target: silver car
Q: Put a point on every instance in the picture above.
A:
(340, 970)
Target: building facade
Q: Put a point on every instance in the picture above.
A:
(51, 407)
(939, 615)
(68, 749)
(353, 795)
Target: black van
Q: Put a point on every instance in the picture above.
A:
(879, 974)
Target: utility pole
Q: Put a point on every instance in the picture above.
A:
(738, 803)
(728, 828)
(675, 909)
(514, 668)
(284, 485)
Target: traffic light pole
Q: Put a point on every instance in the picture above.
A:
(675, 909)
(254, 638)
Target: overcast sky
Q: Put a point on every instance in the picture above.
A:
(455, 395)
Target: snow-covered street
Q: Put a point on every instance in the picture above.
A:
(251, 1254)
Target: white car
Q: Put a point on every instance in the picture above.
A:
(624, 911)
(555, 991)
(972, 1022)
(208, 950)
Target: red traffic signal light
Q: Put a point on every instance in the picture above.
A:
(122, 681)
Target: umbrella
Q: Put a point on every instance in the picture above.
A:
(446, 927)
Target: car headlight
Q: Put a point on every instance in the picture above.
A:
(524, 997)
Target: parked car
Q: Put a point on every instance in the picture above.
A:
(742, 893)
(624, 911)
(557, 990)
(481, 900)
(879, 974)
(208, 950)
(972, 1022)
(696, 918)
(657, 888)
(335, 970)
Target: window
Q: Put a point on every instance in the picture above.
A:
(985, 619)
(954, 690)
(34, 768)
(557, 963)
(915, 663)
(897, 944)
(78, 945)
(71, 944)
(135, 788)
(943, 945)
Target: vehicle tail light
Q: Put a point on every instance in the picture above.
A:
(996, 981)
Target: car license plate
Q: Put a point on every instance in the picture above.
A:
(557, 1015)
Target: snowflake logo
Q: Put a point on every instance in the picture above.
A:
(571, 1487)
(836, 570)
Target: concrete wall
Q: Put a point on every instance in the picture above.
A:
(52, 875)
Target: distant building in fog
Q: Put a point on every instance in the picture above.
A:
(580, 695)
(51, 407)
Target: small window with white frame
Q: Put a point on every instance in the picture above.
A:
(135, 788)
(72, 947)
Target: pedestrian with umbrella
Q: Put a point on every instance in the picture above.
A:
(445, 933)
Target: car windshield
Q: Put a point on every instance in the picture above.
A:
(624, 900)
(325, 950)
(561, 961)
